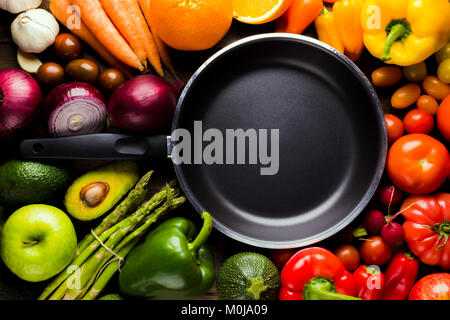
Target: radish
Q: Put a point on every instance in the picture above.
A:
(374, 221)
(392, 233)
(390, 195)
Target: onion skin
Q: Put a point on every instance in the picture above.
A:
(64, 119)
(144, 103)
(20, 96)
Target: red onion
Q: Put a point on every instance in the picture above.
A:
(75, 108)
(144, 103)
(20, 96)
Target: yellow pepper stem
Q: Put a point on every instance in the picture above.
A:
(397, 30)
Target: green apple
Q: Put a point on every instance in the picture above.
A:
(38, 242)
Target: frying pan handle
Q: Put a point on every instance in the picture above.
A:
(102, 146)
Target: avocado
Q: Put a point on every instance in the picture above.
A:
(25, 182)
(96, 192)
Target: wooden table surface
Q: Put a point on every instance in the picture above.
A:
(186, 63)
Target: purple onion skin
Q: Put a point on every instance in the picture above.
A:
(20, 96)
(67, 91)
(145, 103)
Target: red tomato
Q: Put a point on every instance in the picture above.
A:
(375, 251)
(432, 287)
(281, 256)
(427, 228)
(418, 121)
(395, 128)
(443, 118)
(349, 256)
(418, 163)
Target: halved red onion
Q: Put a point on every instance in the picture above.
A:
(75, 108)
(20, 96)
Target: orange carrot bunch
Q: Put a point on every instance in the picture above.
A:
(119, 31)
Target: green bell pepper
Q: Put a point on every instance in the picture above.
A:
(167, 265)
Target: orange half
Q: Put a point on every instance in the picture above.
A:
(259, 11)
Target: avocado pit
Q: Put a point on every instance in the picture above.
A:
(93, 194)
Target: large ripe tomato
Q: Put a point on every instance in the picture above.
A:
(427, 228)
(443, 118)
(418, 163)
(432, 287)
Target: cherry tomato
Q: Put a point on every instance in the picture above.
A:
(280, 256)
(68, 47)
(83, 70)
(443, 118)
(444, 71)
(386, 76)
(436, 88)
(443, 54)
(111, 79)
(418, 121)
(374, 251)
(50, 74)
(405, 96)
(416, 72)
(349, 256)
(418, 163)
(395, 128)
(428, 104)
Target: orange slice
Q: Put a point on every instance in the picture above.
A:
(259, 11)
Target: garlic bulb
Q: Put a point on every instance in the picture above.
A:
(16, 6)
(34, 30)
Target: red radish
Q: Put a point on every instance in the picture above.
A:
(392, 233)
(390, 195)
(20, 96)
(374, 221)
(144, 103)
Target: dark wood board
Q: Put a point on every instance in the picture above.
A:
(185, 63)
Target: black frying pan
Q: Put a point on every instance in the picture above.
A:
(332, 140)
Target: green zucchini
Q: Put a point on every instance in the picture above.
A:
(248, 276)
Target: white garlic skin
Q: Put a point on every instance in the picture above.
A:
(34, 30)
(16, 6)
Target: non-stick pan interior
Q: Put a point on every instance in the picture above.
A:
(332, 141)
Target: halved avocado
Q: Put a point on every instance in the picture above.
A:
(96, 192)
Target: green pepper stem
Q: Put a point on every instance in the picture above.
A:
(203, 234)
(255, 286)
(320, 288)
(397, 30)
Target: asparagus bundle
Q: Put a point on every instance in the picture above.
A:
(100, 253)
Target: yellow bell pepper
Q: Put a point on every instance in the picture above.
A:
(405, 32)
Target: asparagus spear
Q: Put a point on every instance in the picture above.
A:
(91, 267)
(91, 247)
(127, 245)
(134, 198)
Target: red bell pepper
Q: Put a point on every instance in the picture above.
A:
(299, 16)
(400, 276)
(369, 282)
(427, 228)
(316, 274)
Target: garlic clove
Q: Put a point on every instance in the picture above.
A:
(28, 61)
(16, 6)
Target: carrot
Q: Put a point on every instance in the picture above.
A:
(96, 19)
(61, 10)
(127, 26)
(161, 46)
(135, 14)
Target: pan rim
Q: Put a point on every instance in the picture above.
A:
(369, 193)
